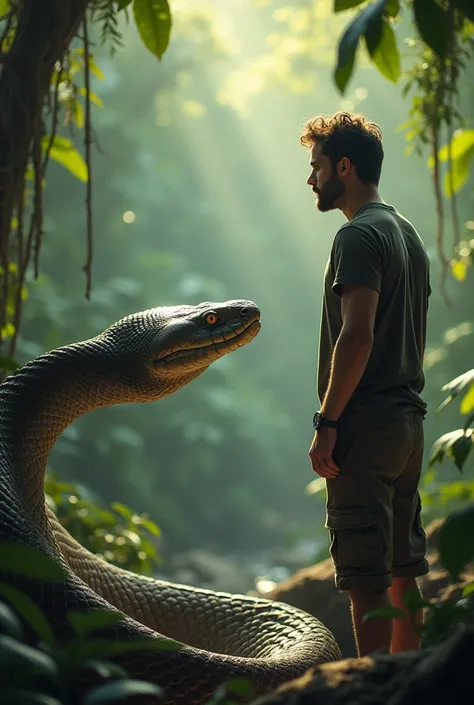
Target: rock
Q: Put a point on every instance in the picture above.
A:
(436, 676)
(312, 589)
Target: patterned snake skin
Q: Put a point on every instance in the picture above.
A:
(142, 358)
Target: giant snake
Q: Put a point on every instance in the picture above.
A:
(142, 358)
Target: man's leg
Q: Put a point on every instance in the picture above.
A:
(359, 519)
(374, 634)
(409, 543)
(404, 636)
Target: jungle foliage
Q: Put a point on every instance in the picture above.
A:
(87, 108)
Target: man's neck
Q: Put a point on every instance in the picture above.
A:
(353, 202)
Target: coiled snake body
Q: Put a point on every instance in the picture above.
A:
(142, 358)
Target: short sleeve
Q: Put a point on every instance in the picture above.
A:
(357, 259)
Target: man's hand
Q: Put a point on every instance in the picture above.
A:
(321, 451)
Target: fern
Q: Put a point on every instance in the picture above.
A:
(105, 14)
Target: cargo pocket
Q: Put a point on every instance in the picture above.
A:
(356, 538)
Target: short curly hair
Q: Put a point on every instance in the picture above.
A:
(348, 135)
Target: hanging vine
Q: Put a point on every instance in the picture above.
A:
(434, 115)
(59, 109)
(32, 130)
(46, 64)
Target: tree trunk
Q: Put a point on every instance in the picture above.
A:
(45, 29)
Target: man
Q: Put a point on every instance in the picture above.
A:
(368, 440)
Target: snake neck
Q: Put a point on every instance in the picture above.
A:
(37, 404)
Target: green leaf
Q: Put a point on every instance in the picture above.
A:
(468, 589)
(406, 88)
(455, 387)
(16, 696)
(389, 611)
(466, 7)
(344, 72)
(98, 73)
(469, 422)
(461, 449)
(126, 512)
(366, 20)
(443, 444)
(467, 402)
(4, 7)
(122, 4)
(7, 363)
(148, 524)
(413, 601)
(9, 622)
(86, 622)
(241, 687)
(382, 47)
(118, 690)
(132, 537)
(8, 330)
(429, 477)
(93, 97)
(457, 444)
(31, 613)
(153, 20)
(105, 648)
(462, 141)
(433, 25)
(106, 669)
(456, 540)
(460, 167)
(459, 269)
(392, 8)
(341, 5)
(315, 486)
(440, 620)
(64, 152)
(460, 383)
(23, 560)
(78, 114)
(458, 491)
(29, 660)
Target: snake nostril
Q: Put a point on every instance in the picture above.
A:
(244, 312)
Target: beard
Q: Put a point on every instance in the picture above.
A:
(330, 193)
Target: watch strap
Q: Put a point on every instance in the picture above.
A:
(321, 421)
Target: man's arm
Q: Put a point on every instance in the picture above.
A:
(352, 349)
(358, 265)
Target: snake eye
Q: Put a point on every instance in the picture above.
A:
(211, 318)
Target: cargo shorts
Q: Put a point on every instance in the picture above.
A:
(373, 506)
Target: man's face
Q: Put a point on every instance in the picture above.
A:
(325, 181)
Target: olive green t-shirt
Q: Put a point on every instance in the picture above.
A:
(380, 249)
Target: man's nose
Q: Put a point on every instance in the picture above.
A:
(311, 180)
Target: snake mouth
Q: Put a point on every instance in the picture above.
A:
(210, 351)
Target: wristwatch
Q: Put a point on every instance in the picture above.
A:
(319, 421)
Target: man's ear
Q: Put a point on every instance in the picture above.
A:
(344, 166)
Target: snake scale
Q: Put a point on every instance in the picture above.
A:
(142, 358)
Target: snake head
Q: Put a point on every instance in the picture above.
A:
(165, 348)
